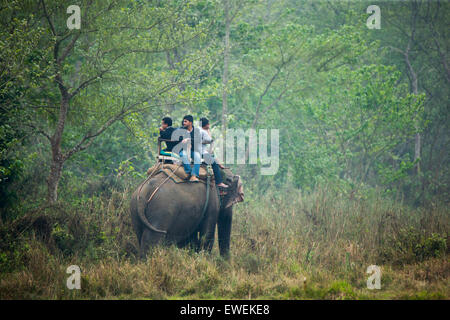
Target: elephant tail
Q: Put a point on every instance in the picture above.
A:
(141, 205)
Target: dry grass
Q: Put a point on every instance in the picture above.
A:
(284, 246)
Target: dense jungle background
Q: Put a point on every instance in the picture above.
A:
(363, 174)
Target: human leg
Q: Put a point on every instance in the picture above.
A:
(197, 162)
(217, 176)
(185, 160)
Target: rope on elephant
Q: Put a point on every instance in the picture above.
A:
(149, 177)
(141, 214)
(208, 185)
(208, 181)
(159, 186)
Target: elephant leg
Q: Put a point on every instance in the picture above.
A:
(195, 241)
(191, 241)
(136, 223)
(149, 239)
(138, 232)
(207, 230)
(224, 230)
(207, 240)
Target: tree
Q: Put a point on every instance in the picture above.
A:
(230, 11)
(415, 33)
(95, 76)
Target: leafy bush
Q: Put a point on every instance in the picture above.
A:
(63, 239)
(409, 245)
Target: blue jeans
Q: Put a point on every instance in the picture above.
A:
(187, 164)
(209, 159)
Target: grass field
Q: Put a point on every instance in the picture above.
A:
(285, 245)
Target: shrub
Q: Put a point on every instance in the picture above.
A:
(409, 245)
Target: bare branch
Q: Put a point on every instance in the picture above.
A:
(68, 48)
(52, 28)
(324, 64)
(87, 140)
(396, 49)
(41, 131)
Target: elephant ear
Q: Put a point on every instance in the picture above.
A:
(235, 194)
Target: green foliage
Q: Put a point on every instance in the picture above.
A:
(410, 245)
(13, 253)
(269, 252)
(342, 96)
(341, 290)
(353, 133)
(63, 239)
(341, 99)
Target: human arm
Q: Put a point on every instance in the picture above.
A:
(206, 138)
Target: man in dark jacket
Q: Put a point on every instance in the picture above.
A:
(165, 132)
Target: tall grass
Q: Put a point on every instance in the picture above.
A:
(285, 245)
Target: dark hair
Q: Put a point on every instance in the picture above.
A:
(189, 118)
(204, 121)
(167, 121)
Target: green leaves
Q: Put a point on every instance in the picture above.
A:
(361, 126)
(311, 69)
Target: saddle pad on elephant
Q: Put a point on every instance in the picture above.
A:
(177, 173)
(181, 176)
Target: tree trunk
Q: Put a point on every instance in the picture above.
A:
(415, 90)
(53, 178)
(225, 65)
(414, 82)
(57, 156)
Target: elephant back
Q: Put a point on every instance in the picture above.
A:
(177, 173)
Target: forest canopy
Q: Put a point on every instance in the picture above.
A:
(335, 118)
(357, 107)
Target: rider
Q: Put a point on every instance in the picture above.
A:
(208, 156)
(165, 132)
(195, 147)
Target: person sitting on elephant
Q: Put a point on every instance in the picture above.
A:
(207, 154)
(194, 146)
(165, 132)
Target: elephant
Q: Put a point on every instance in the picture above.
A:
(176, 213)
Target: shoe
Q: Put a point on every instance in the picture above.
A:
(222, 185)
(193, 179)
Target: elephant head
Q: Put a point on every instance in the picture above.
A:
(234, 194)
